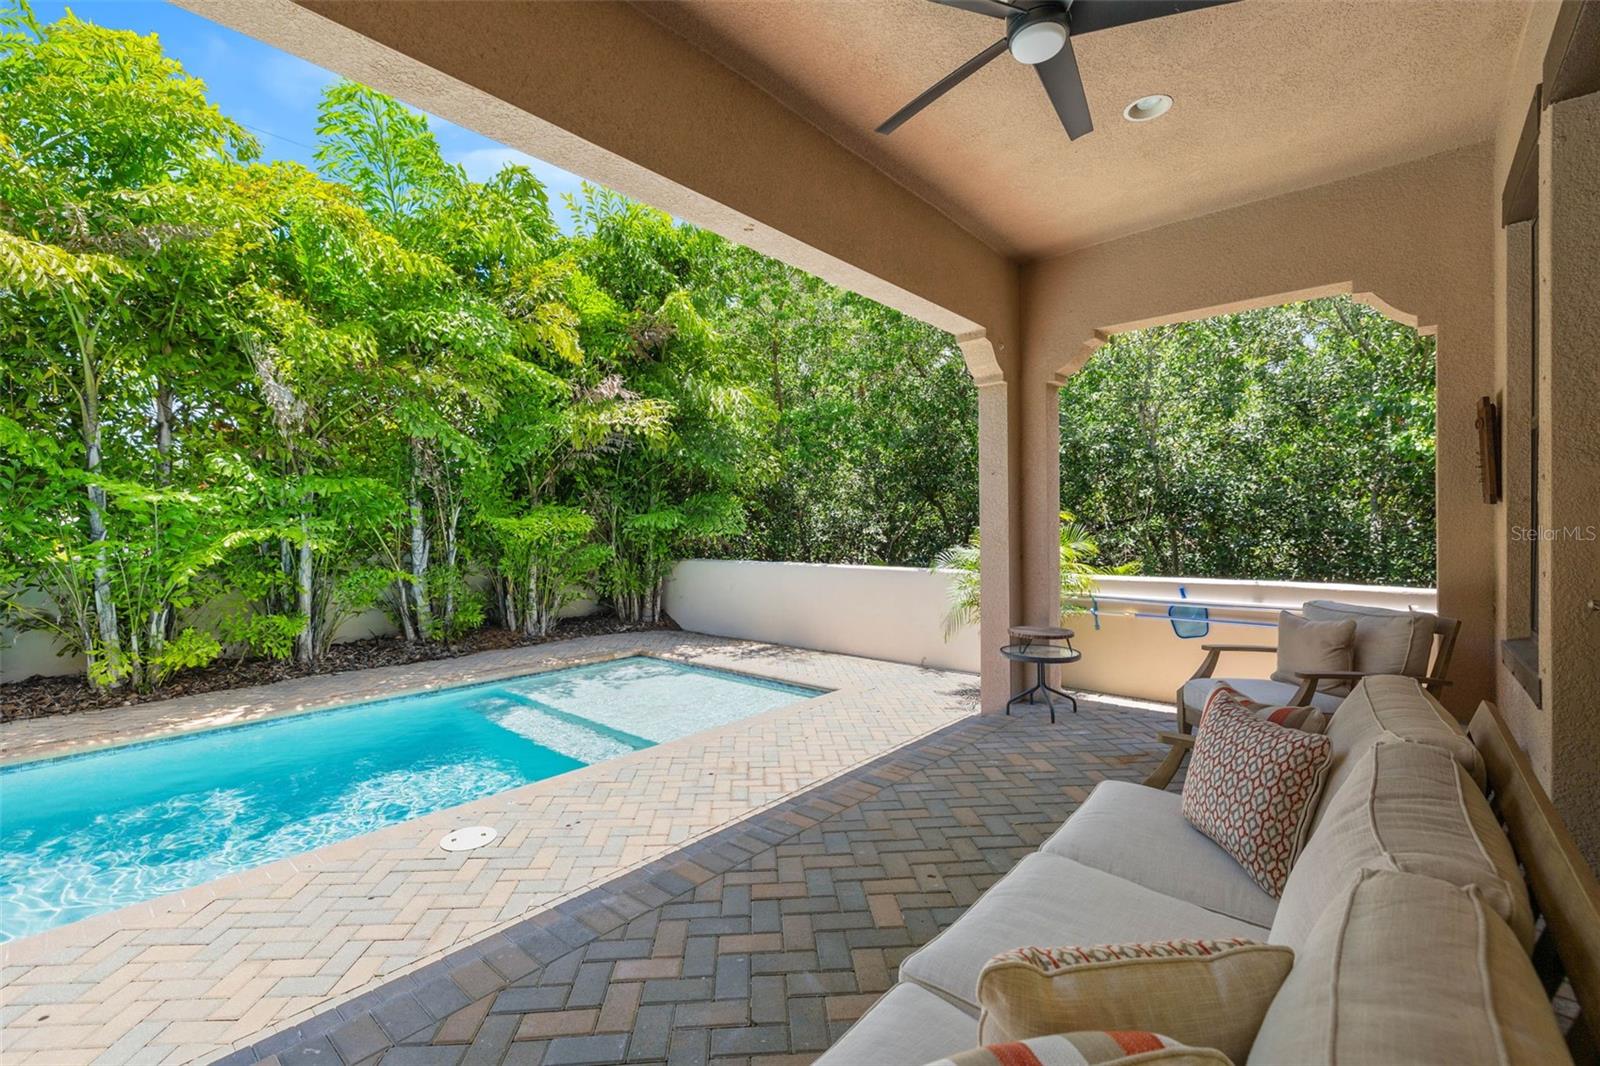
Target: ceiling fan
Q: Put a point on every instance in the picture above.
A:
(1039, 33)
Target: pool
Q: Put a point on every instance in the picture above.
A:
(89, 833)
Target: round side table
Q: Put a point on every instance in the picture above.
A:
(1042, 655)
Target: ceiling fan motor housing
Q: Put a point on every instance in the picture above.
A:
(1037, 35)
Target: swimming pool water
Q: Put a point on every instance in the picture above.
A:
(91, 833)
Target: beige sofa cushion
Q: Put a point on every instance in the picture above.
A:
(1090, 1048)
(1407, 807)
(1140, 833)
(908, 1026)
(1387, 707)
(1046, 899)
(1408, 969)
(1387, 641)
(1208, 993)
(1311, 647)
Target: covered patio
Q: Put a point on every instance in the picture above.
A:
(762, 942)
(744, 895)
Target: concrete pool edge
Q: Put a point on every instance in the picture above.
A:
(568, 834)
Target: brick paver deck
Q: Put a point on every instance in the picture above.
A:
(195, 975)
(761, 944)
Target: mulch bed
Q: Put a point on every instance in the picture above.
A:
(39, 697)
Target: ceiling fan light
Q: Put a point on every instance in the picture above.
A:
(1148, 107)
(1034, 42)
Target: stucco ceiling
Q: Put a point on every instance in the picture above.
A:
(1271, 96)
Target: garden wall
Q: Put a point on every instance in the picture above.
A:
(25, 655)
(1130, 647)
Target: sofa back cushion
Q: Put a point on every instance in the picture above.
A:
(1407, 807)
(1313, 647)
(1406, 968)
(1389, 707)
(1387, 641)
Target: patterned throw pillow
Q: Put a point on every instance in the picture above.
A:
(1119, 1046)
(1305, 719)
(1252, 788)
(1206, 993)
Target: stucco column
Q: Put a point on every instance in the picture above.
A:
(997, 518)
(1039, 470)
(1569, 412)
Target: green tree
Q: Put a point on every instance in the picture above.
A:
(1290, 443)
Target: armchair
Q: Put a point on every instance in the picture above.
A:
(1375, 650)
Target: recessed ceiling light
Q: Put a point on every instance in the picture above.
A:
(1147, 107)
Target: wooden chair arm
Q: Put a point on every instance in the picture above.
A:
(1179, 745)
(1330, 675)
(1214, 652)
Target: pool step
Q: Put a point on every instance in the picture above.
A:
(570, 734)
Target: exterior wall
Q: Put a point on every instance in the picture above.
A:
(1411, 239)
(896, 613)
(1569, 440)
(1561, 732)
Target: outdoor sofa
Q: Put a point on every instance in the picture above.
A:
(1413, 938)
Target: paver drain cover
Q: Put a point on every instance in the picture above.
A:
(473, 836)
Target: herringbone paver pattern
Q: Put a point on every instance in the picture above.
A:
(760, 945)
(194, 975)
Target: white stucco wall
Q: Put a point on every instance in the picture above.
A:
(880, 612)
(896, 613)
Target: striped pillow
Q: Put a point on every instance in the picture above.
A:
(1088, 1049)
(1305, 719)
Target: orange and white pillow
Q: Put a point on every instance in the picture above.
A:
(1305, 719)
(1102, 1048)
(1252, 787)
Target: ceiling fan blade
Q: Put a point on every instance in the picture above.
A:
(1086, 16)
(1065, 89)
(942, 86)
(998, 9)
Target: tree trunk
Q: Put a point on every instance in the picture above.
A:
(161, 614)
(104, 608)
(419, 551)
(451, 548)
(305, 643)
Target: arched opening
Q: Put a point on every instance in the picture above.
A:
(1229, 463)
(1292, 442)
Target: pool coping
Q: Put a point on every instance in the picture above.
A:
(165, 919)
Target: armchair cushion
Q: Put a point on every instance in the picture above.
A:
(1386, 642)
(1306, 719)
(1313, 647)
(1198, 690)
(1211, 993)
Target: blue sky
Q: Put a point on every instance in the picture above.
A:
(274, 94)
